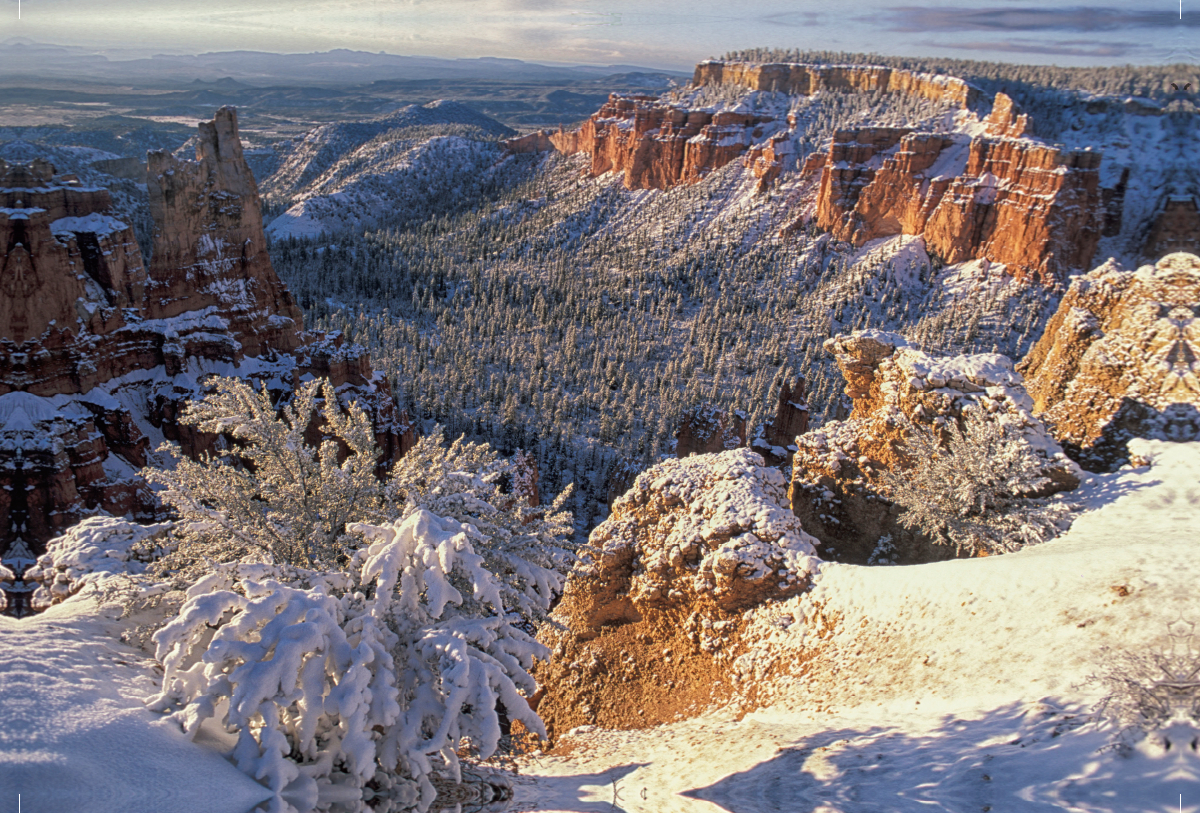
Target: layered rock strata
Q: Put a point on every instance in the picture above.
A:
(804, 79)
(1121, 359)
(656, 145)
(837, 488)
(653, 613)
(99, 355)
(1034, 209)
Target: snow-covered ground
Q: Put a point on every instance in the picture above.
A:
(74, 734)
(954, 686)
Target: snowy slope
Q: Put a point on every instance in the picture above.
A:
(74, 734)
(952, 686)
(321, 148)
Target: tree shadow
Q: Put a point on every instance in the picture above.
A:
(567, 793)
(1021, 757)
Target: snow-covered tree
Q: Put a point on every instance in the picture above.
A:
(356, 634)
(970, 486)
(269, 495)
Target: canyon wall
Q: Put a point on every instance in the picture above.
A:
(805, 80)
(100, 354)
(1035, 209)
(1121, 359)
(657, 145)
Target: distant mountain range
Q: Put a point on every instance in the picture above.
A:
(24, 58)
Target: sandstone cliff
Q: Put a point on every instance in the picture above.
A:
(98, 355)
(802, 79)
(1119, 359)
(650, 620)
(1033, 208)
(836, 477)
(657, 145)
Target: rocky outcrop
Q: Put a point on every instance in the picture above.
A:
(209, 248)
(776, 439)
(1119, 359)
(656, 145)
(653, 614)
(705, 430)
(538, 141)
(805, 79)
(837, 487)
(1176, 228)
(1034, 209)
(98, 355)
(1006, 119)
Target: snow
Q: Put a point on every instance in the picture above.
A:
(958, 684)
(94, 223)
(75, 735)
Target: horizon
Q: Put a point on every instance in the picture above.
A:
(644, 34)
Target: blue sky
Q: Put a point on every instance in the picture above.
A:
(645, 32)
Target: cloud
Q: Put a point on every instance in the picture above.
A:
(1080, 48)
(1012, 18)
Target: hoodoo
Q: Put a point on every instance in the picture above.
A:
(99, 355)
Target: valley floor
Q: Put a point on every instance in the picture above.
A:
(954, 686)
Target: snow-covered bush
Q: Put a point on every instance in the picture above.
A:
(528, 549)
(356, 633)
(1152, 691)
(270, 496)
(274, 499)
(972, 488)
(97, 551)
(353, 692)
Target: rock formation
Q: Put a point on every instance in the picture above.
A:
(1006, 120)
(538, 141)
(803, 79)
(776, 439)
(836, 476)
(705, 430)
(98, 355)
(1033, 208)
(657, 145)
(654, 612)
(1175, 228)
(1119, 359)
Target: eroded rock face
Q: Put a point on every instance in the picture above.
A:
(98, 356)
(1119, 359)
(836, 486)
(803, 79)
(690, 546)
(209, 248)
(657, 145)
(775, 439)
(1033, 208)
(706, 430)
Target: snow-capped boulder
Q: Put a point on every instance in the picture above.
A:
(836, 477)
(1119, 359)
(692, 545)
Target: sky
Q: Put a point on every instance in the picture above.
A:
(655, 33)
